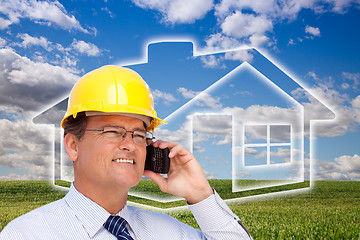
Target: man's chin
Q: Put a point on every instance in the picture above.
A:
(128, 180)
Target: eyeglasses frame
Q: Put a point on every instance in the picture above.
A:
(148, 140)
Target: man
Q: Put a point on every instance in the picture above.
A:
(108, 121)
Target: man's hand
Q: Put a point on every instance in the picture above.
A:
(186, 178)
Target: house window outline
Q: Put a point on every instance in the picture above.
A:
(269, 144)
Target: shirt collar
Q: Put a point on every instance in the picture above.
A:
(90, 214)
(129, 215)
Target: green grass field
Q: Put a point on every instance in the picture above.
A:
(331, 210)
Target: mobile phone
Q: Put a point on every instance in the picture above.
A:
(157, 159)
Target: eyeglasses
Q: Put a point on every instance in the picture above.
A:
(118, 134)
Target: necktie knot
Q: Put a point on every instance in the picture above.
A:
(116, 225)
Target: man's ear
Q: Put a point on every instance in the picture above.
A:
(71, 146)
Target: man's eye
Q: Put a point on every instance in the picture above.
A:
(140, 136)
(111, 133)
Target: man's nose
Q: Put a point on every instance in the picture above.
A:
(127, 142)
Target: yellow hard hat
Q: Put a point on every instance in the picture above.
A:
(112, 89)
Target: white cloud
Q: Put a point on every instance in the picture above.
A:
(261, 155)
(349, 164)
(263, 114)
(253, 28)
(82, 47)
(42, 12)
(217, 61)
(354, 77)
(313, 76)
(242, 28)
(225, 7)
(281, 152)
(60, 55)
(282, 9)
(237, 26)
(341, 6)
(355, 103)
(179, 136)
(2, 42)
(178, 11)
(345, 86)
(344, 168)
(345, 108)
(4, 23)
(18, 177)
(106, 9)
(245, 25)
(215, 128)
(314, 31)
(209, 101)
(166, 98)
(188, 93)
(224, 141)
(27, 85)
(29, 41)
(220, 42)
(216, 125)
(248, 151)
(22, 71)
(204, 99)
(243, 55)
(259, 40)
(212, 61)
(345, 113)
(27, 149)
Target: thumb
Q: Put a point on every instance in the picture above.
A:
(157, 178)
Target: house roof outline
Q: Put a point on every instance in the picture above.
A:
(219, 82)
(37, 119)
(266, 73)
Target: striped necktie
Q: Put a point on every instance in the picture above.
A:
(117, 226)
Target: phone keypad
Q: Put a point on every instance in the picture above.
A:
(158, 164)
(157, 160)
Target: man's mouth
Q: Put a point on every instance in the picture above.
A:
(122, 160)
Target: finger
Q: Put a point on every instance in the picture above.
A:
(182, 152)
(164, 144)
(175, 149)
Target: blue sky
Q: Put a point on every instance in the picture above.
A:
(45, 46)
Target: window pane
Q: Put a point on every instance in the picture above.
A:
(280, 134)
(255, 134)
(280, 154)
(255, 156)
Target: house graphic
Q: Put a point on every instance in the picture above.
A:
(241, 115)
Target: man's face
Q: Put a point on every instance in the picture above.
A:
(98, 163)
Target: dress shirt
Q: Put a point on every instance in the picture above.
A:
(77, 217)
